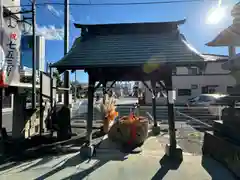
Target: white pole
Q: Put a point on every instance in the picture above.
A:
(1, 13)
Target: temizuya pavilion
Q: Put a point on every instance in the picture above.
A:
(131, 52)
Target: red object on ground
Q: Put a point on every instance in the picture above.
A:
(133, 133)
(131, 116)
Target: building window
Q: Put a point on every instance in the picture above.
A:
(194, 86)
(184, 92)
(211, 89)
(193, 71)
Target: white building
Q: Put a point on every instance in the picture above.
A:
(191, 81)
(40, 53)
(26, 55)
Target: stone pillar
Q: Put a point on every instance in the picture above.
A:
(231, 51)
(19, 105)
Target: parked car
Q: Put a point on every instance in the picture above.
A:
(205, 99)
(207, 103)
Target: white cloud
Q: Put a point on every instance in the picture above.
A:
(55, 11)
(51, 32)
(59, 13)
(48, 32)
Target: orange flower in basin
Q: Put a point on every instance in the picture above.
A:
(108, 111)
(111, 115)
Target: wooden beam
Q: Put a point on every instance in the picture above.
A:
(111, 85)
(146, 85)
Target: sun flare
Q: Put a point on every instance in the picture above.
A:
(216, 15)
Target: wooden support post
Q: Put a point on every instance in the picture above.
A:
(170, 104)
(171, 149)
(91, 84)
(153, 84)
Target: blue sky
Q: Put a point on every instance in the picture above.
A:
(196, 30)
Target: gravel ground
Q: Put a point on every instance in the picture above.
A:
(188, 138)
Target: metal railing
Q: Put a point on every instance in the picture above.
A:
(190, 122)
(195, 116)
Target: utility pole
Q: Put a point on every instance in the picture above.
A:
(33, 54)
(2, 58)
(66, 44)
(75, 90)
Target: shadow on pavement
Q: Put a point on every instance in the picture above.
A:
(86, 172)
(77, 160)
(46, 151)
(74, 161)
(167, 164)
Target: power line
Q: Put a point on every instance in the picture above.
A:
(116, 4)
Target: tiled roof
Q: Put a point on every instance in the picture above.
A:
(129, 50)
(228, 37)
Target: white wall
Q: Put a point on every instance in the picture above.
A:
(185, 82)
(215, 68)
(182, 70)
(212, 75)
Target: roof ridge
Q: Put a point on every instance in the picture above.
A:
(179, 22)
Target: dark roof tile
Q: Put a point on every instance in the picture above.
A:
(129, 50)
